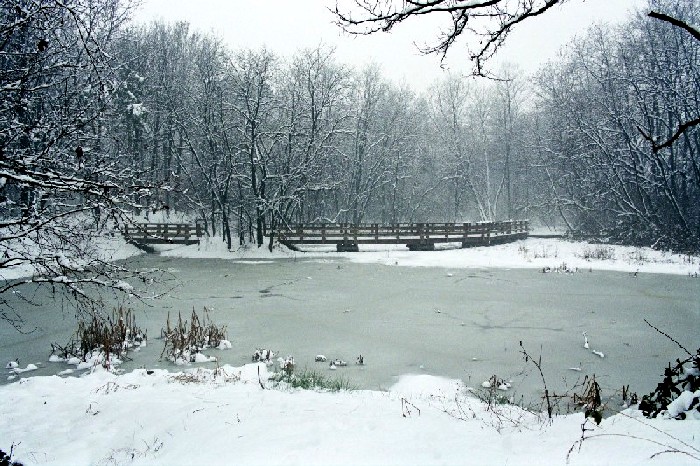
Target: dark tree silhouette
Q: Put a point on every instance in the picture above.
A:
(484, 25)
(683, 126)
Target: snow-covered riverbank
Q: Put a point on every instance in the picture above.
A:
(535, 253)
(198, 417)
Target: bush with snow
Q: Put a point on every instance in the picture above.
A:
(263, 355)
(224, 345)
(598, 252)
(678, 394)
(6, 460)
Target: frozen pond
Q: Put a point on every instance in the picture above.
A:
(459, 323)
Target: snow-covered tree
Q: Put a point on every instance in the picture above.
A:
(60, 177)
(610, 89)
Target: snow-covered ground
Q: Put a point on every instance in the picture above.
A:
(537, 253)
(197, 417)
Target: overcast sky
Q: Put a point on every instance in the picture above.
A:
(286, 26)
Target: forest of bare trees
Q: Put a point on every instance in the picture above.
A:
(101, 119)
(251, 142)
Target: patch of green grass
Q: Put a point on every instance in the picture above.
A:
(307, 379)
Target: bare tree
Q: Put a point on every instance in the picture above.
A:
(253, 100)
(484, 25)
(313, 111)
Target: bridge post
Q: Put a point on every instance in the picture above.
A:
(485, 233)
(346, 244)
(423, 243)
(465, 234)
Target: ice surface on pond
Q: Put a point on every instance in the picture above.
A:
(389, 315)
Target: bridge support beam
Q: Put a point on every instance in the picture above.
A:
(347, 246)
(423, 246)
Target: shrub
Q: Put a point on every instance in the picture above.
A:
(311, 380)
(684, 376)
(6, 460)
(101, 338)
(599, 252)
(183, 342)
(590, 400)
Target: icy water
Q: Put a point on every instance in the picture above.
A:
(458, 323)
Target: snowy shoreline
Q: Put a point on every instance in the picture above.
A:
(204, 417)
(531, 253)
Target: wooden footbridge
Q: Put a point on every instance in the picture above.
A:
(163, 233)
(416, 236)
(348, 237)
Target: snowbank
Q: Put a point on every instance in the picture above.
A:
(215, 248)
(535, 253)
(203, 417)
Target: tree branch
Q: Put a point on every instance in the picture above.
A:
(655, 146)
(676, 22)
(488, 22)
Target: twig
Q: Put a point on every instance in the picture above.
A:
(635, 437)
(405, 410)
(538, 365)
(260, 380)
(669, 337)
(659, 431)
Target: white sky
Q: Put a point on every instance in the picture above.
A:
(286, 26)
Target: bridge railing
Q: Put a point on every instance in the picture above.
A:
(404, 233)
(164, 233)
